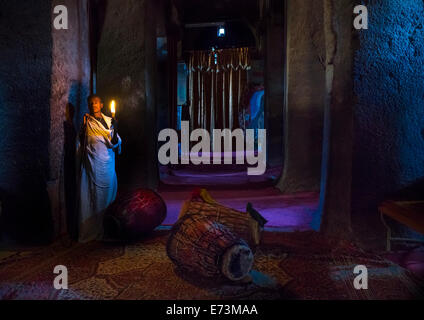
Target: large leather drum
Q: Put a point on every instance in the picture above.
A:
(246, 225)
(198, 244)
(134, 214)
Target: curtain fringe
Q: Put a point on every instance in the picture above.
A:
(227, 59)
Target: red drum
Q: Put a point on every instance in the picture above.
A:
(198, 244)
(134, 214)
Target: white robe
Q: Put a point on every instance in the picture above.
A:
(98, 183)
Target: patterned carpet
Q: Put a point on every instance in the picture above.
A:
(287, 266)
(135, 271)
(322, 269)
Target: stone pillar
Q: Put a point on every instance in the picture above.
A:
(302, 118)
(152, 169)
(335, 202)
(126, 72)
(44, 71)
(274, 80)
(69, 89)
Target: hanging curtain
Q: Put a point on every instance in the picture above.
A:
(216, 84)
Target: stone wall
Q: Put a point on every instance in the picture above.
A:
(25, 80)
(305, 81)
(70, 88)
(336, 173)
(274, 65)
(126, 72)
(389, 114)
(42, 70)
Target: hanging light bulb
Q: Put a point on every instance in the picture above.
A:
(221, 31)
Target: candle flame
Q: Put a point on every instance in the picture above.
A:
(113, 107)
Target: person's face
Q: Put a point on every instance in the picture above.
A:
(95, 105)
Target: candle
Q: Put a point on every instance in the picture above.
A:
(113, 108)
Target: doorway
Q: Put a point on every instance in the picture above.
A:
(216, 58)
(224, 70)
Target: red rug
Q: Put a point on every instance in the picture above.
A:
(287, 266)
(322, 269)
(133, 271)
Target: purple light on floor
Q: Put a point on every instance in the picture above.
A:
(291, 212)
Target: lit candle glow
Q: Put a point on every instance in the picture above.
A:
(113, 108)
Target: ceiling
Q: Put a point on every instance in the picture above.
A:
(237, 15)
(198, 11)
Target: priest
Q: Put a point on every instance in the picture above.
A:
(97, 183)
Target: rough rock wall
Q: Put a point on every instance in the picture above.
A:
(389, 115)
(41, 71)
(126, 56)
(26, 45)
(305, 96)
(70, 86)
(274, 82)
(336, 174)
(25, 86)
(70, 76)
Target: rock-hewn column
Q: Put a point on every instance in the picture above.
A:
(69, 89)
(274, 81)
(126, 72)
(302, 120)
(336, 179)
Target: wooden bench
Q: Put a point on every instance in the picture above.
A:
(408, 213)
